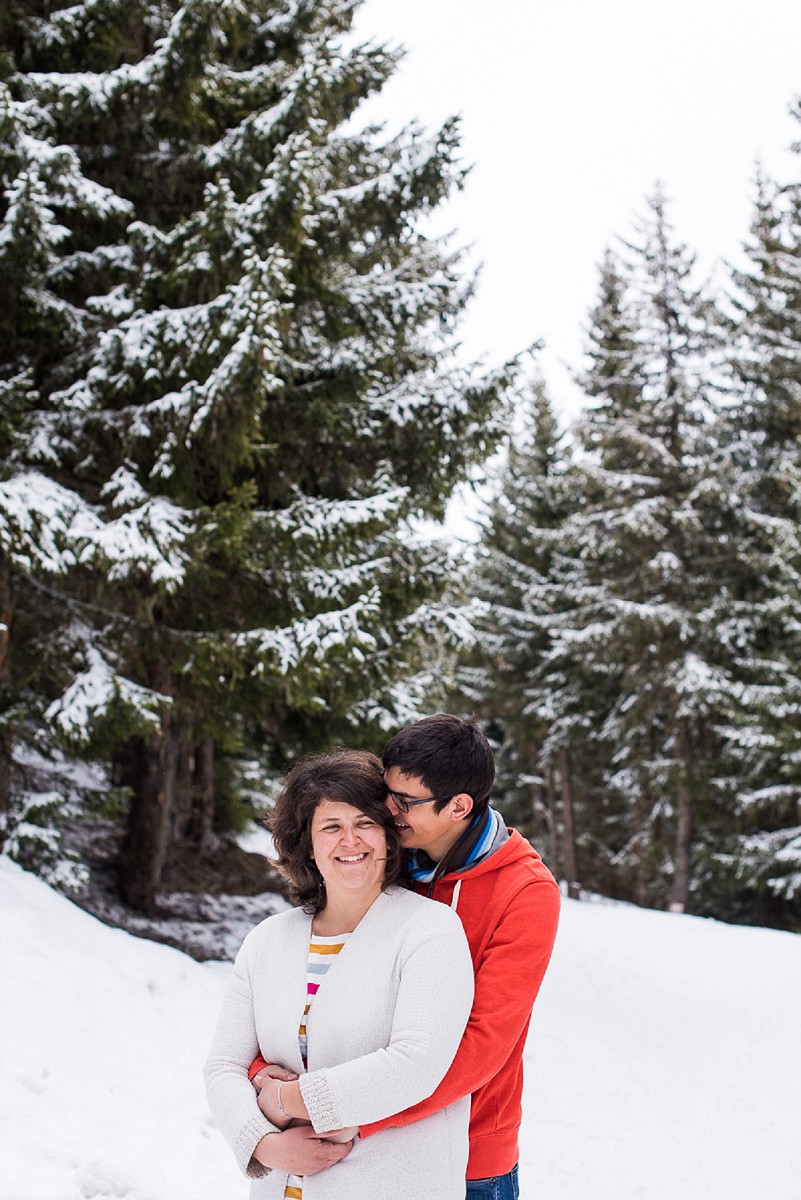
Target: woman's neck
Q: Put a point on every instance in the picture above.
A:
(342, 914)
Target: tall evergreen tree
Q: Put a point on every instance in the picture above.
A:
(230, 346)
(512, 677)
(762, 438)
(44, 190)
(649, 543)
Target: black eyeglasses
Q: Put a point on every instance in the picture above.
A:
(405, 802)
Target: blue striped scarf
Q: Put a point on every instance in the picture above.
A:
(480, 832)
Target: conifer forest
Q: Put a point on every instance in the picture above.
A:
(232, 409)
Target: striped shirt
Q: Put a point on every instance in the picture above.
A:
(322, 952)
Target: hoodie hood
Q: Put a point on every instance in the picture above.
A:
(511, 864)
(508, 847)
(480, 839)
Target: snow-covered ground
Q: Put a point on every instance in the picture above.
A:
(664, 1060)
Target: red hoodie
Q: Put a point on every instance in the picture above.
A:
(509, 906)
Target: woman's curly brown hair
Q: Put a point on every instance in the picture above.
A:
(348, 777)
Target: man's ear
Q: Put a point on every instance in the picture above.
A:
(461, 806)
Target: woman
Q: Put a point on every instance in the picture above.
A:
(364, 991)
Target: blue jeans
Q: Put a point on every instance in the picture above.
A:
(499, 1187)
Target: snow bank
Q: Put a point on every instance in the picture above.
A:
(664, 1060)
(102, 1037)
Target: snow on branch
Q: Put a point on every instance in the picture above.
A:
(309, 519)
(95, 693)
(405, 701)
(36, 517)
(444, 398)
(123, 489)
(336, 582)
(45, 527)
(312, 639)
(236, 328)
(699, 686)
(455, 623)
(259, 126)
(60, 167)
(25, 196)
(150, 538)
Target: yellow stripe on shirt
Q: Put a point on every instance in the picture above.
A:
(315, 973)
(318, 948)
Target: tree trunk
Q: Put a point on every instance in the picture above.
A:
(6, 735)
(680, 888)
(569, 839)
(193, 813)
(203, 788)
(550, 802)
(540, 825)
(150, 821)
(642, 810)
(181, 831)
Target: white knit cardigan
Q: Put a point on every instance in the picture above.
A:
(382, 1032)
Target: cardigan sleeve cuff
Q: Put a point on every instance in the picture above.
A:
(319, 1102)
(248, 1138)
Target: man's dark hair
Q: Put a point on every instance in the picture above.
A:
(348, 777)
(448, 754)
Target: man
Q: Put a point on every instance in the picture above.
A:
(439, 773)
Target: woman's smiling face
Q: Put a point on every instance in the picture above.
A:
(349, 849)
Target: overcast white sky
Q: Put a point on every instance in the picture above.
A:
(572, 110)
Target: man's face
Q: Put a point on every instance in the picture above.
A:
(421, 828)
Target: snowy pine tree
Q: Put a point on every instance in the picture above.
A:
(44, 192)
(649, 543)
(230, 355)
(762, 438)
(512, 677)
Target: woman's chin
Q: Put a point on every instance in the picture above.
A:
(349, 882)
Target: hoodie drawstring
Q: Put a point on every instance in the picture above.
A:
(455, 896)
